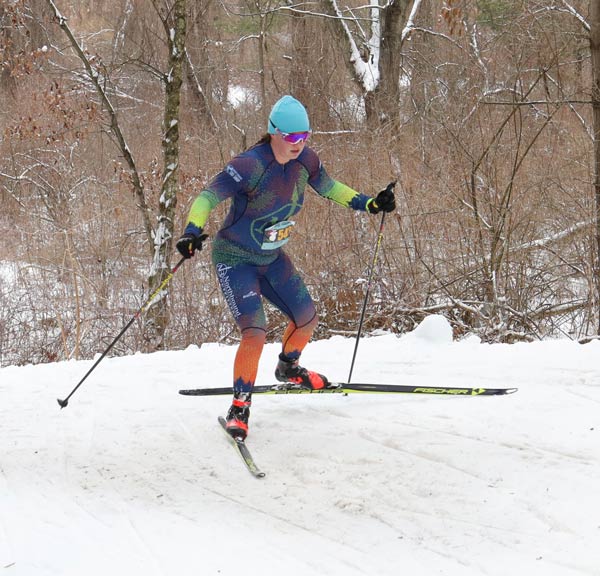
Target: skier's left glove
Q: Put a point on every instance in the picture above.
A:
(384, 201)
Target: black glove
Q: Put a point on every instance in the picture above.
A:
(384, 201)
(189, 243)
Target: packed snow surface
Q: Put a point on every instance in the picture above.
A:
(134, 479)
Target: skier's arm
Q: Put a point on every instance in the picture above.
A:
(201, 208)
(192, 237)
(224, 185)
(331, 189)
(346, 196)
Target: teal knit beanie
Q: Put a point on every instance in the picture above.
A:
(289, 116)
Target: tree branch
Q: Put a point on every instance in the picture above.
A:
(97, 81)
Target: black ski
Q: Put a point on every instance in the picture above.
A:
(342, 388)
(243, 451)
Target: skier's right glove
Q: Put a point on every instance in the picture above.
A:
(190, 242)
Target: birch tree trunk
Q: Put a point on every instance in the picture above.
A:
(595, 50)
(157, 317)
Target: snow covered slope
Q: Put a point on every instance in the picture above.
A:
(134, 479)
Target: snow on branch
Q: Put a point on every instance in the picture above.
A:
(410, 23)
(366, 71)
(577, 15)
(553, 238)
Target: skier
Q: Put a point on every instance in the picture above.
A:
(266, 184)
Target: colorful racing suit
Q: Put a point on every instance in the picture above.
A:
(247, 251)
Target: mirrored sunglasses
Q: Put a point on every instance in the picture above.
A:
(292, 137)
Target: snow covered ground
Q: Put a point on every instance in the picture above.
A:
(134, 479)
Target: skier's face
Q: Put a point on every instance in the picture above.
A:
(285, 151)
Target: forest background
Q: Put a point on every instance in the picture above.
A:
(115, 114)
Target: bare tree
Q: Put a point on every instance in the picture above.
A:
(98, 80)
(374, 36)
(173, 20)
(488, 115)
(595, 50)
(174, 23)
(199, 75)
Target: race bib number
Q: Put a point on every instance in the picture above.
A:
(277, 235)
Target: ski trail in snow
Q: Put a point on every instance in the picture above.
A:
(235, 489)
(229, 454)
(584, 396)
(126, 513)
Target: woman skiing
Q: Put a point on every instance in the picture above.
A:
(266, 184)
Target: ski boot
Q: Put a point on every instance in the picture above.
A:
(290, 371)
(237, 418)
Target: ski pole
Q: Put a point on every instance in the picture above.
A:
(64, 403)
(362, 314)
